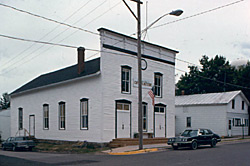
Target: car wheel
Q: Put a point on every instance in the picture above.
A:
(194, 145)
(30, 148)
(213, 143)
(3, 147)
(175, 147)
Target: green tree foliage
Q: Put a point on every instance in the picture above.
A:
(215, 75)
(4, 101)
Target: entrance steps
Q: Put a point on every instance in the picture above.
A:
(120, 142)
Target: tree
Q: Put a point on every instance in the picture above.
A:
(215, 75)
(5, 101)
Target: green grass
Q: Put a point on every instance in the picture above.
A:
(67, 147)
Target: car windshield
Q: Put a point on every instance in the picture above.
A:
(189, 133)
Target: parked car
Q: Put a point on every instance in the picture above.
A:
(194, 138)
(16, 143)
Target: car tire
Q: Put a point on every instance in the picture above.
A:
(3, 147)
(175, 147)
(30, 148)
(213, 143)
(194, 145)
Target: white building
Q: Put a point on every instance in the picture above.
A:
(5, 123)
(96, 100)
(224, 113)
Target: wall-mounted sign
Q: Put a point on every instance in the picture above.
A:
(145, 84)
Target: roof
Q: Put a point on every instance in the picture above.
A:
(104, 29)
(207, 99)
(65, 74)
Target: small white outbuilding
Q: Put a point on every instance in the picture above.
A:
(224, 113)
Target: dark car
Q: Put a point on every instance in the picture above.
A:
(194, 138)
(16, 143)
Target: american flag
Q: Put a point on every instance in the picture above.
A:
(152, 95)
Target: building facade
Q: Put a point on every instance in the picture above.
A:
(96, 101)
(5, 123)
(224, 113)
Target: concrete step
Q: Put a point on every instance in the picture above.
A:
(120, 142)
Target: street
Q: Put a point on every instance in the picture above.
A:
(225, 154)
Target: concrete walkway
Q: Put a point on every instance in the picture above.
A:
(129, 150)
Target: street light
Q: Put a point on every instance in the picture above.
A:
(177, 12)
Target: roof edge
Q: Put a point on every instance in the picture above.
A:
(117, 33)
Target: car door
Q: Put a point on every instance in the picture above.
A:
(8, 143)
(202, 137)
(208, 138)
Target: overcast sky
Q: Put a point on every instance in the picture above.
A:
(224, 31)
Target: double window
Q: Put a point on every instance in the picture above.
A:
(159, 109)
(84, 113)
(126, 79)
(45, 116)
(20, 118)
(62, 119)
(158, 85)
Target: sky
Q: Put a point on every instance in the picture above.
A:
(205, 28)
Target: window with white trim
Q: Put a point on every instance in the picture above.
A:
(160, 109)
(62, 118)
(84, 113)
(233, 104)
(46, 116)
(242, 105)
(126, 79)
(158, 85)
(20, 118)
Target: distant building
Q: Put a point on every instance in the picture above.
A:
(5, 123)
(96, 101)
(224, 113)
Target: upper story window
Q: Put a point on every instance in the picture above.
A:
(84, 113)
(126, 79)
(242, 105)
(45, 116)
(158, 85)
(233, 104)
(62, 119)
(20, 118)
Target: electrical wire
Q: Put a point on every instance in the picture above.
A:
(17, 56)
(198, 14)
(48, 19)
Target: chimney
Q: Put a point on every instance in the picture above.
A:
(81, 58)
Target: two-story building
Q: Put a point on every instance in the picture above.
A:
(225, 113)
(96, 100)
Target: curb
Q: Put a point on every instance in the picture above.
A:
(134, 152)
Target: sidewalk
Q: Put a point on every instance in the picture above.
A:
(129, 150)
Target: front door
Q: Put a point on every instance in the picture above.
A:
(32, 125)
(160, 121)
(123, 120)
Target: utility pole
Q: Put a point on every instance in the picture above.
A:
(138, 18)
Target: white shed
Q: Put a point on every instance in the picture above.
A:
(224, 113)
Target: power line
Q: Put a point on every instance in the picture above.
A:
(36, 41)
(44, 36)
(48, 19)
(201, 13)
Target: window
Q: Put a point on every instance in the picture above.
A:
(62, 116)
(242, 105)
(158, 85)
(123, 106)
(126, 71)
(233, 104)
(84, 113)
(45, 116)
(20, 118)
(144, 116)
(188, 121)
(237, 121)
(160, 109)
